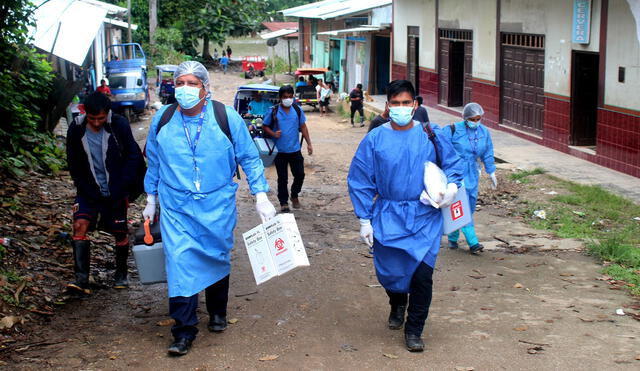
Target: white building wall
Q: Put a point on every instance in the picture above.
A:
(552, 18)
(623, 50)
(479, 16)
(419, 13)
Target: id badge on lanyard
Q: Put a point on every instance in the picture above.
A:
(197, 175)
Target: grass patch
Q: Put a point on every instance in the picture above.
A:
(628, 275)
(596, 215)
(343, 112)
(522, 176)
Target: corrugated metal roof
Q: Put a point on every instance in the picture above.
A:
(122, 24)
(278, 33)
(334, 8)
(350, 30)
(67, 28)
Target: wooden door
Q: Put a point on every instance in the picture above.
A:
(523, 88)
(468, 65)
(443, 70)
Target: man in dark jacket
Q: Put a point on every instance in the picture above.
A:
(107, 167)
(356, 104)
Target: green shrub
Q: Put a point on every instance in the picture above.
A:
(26, 78)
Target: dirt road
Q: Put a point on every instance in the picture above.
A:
(543, 309)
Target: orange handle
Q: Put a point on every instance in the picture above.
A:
(148, 238)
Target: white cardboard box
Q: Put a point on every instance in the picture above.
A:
(258, 250)
(275, 247)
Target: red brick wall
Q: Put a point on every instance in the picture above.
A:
(487, 94)
(557, 121)
(428, 88)
(618, 141)
(398, 71)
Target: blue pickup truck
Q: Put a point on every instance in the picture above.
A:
(126, 70)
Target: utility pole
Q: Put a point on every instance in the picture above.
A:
(129, 19)
(153, 21)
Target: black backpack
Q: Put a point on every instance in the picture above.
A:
(432, 137)
(219, 111)
(274, 117)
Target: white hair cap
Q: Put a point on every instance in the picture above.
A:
(193, 68)
(472, 110)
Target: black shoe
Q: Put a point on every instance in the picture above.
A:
(217, 323)
(81, 266)
(453, 245)
(285, 208)
(362, 124)
(476, 249)
(414, 343)
(179, 347)
(396, 317)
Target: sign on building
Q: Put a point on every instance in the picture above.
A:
(581, 21)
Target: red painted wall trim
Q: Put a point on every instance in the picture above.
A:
(557, 97)
(624, 111)
(483, 81)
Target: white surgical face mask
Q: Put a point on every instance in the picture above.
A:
(287, 102)
(401, 115)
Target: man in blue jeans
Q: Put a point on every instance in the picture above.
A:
(283, 125)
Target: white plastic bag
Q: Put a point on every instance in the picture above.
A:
(435, 181)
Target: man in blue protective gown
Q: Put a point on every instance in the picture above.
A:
(397, 218)
(472, 142)
(191, 163)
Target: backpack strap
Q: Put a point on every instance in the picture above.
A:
(274, 117)
(432, 137)
(220, 112)
(298, 112)
(166, 116)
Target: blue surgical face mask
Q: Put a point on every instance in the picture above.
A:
(188, 96)
(401, 115)
(472, 124)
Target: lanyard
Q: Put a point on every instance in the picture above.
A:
(194, 144)
(473, 141)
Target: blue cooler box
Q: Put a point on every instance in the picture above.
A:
(267, 149)
(458, 214)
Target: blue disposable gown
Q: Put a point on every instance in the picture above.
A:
(390, 164)
(197, 227)
(473, 145)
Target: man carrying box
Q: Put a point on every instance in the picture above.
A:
(385, 184)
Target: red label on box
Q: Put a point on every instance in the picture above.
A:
(456, 210)
(280, 246)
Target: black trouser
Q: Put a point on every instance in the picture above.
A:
(358, 109)
(183, 309)
(419, 299)
(296, 162)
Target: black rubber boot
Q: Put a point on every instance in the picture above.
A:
(396, 317)
(81, 266)
(120, 276)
